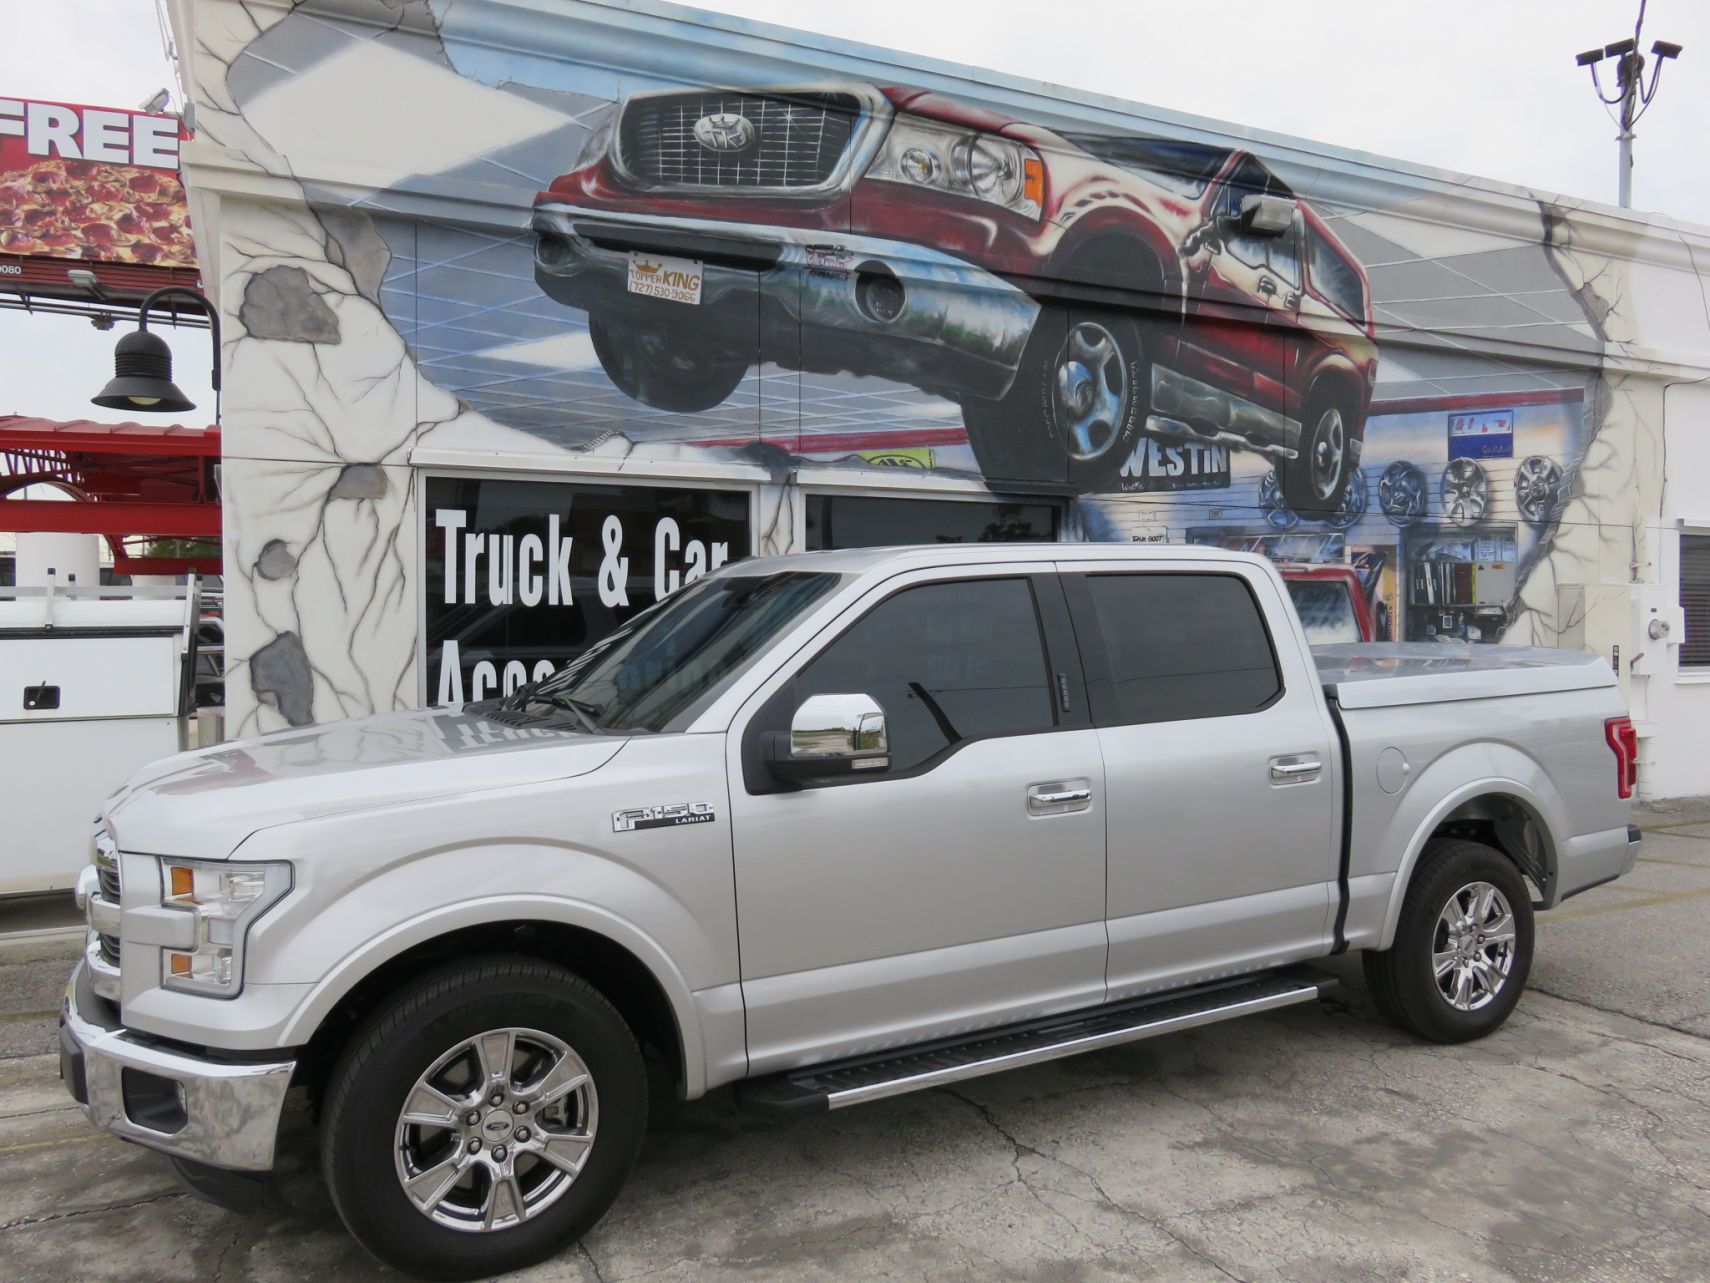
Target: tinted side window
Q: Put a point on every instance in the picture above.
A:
(1335, 278)
(1183, 646)
(946, 662)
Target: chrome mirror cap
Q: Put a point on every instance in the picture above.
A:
(847, 728)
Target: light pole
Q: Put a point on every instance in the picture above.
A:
(1632, 95)
(142, 365)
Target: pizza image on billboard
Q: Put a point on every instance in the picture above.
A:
(92, 184)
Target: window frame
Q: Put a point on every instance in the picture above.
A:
(1064, 674)
(1102, 699)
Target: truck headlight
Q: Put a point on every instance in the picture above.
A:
(226, 899)
(925, 153)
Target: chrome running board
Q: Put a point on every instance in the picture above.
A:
(839, 1084)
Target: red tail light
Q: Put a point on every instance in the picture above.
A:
(1624, 742)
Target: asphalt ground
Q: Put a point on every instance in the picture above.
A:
(1315, 1143)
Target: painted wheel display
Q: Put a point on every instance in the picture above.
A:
(1355, 499)
(1537, 488)
(1465, 492)
(1401, 493)
(1278, 515)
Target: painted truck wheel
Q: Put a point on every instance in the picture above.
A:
(1537, 488)
(1077, 409)
(1402, 493)
(668, 367)
(1314, 482)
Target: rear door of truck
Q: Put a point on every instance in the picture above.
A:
(1222, 777)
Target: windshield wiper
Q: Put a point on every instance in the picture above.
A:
(584, 712)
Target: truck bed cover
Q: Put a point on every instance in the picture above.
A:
(1387, 674)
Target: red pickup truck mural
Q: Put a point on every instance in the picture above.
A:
(1074, 293)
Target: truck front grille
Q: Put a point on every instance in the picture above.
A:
(107, 873)
(796, 141)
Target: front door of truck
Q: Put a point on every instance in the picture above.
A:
(1243, 292)
(1220, 767)
(944, 892)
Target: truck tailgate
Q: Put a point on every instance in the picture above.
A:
(1389, 674)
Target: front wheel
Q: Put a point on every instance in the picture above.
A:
(1077, 408)
(483, 1119)
(1463, 946)
(668, 367)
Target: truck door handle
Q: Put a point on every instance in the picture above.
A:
(1059, 797)
(1295, 768)
(1267, 286)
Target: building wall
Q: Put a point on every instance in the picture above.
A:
(363, 182)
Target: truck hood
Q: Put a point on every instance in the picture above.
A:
(203, 804)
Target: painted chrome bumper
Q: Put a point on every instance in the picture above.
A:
(908, 310)
(222, 1113)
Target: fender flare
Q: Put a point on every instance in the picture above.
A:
(353, 968)
(1500, 777)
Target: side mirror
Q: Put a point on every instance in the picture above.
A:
(832, 735)
(1266, 215)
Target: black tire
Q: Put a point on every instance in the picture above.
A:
(401, 1040)
(1402, 978)
(1028, 436)
(1314, 481)
(668, 367)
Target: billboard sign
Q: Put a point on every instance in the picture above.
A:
(523, 576)
(95, 186)
(1487, 434)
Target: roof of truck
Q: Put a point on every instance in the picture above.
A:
(852, 561)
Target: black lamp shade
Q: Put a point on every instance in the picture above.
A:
(142, 377)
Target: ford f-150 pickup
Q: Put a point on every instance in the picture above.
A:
(829, 827)
(1072, 291)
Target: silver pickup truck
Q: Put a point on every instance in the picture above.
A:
(829, 827)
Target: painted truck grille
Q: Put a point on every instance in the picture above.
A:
(797, 142)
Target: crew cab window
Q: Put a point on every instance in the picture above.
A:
(1335, 279)
(1183, 646)
(947, 662)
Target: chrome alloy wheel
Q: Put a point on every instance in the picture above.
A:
(1090, 392)
(496, 1130)
(1472, 950)
(1328, 448)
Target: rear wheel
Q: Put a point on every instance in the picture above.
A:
(668, 367)
(1313, 482)
(1463, 945)
(483, 1119)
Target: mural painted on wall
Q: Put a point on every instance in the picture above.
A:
(652, 238)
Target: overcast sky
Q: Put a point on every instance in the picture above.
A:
(1487, 87)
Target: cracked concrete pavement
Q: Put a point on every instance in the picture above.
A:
(1314, 1143)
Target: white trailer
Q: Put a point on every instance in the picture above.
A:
(94, 682)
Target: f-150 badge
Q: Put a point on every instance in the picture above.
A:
(660, 817)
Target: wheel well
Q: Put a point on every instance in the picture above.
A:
(1509, 826)
(1112, 268)
(1342, 383)
(618, 974)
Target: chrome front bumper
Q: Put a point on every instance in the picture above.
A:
(219, 1112)
(888, 293)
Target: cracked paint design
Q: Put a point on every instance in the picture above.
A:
(338, 372)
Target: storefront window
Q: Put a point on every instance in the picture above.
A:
(857, 521)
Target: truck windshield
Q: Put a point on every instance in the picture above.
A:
(1326, 611)
(660, 662)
